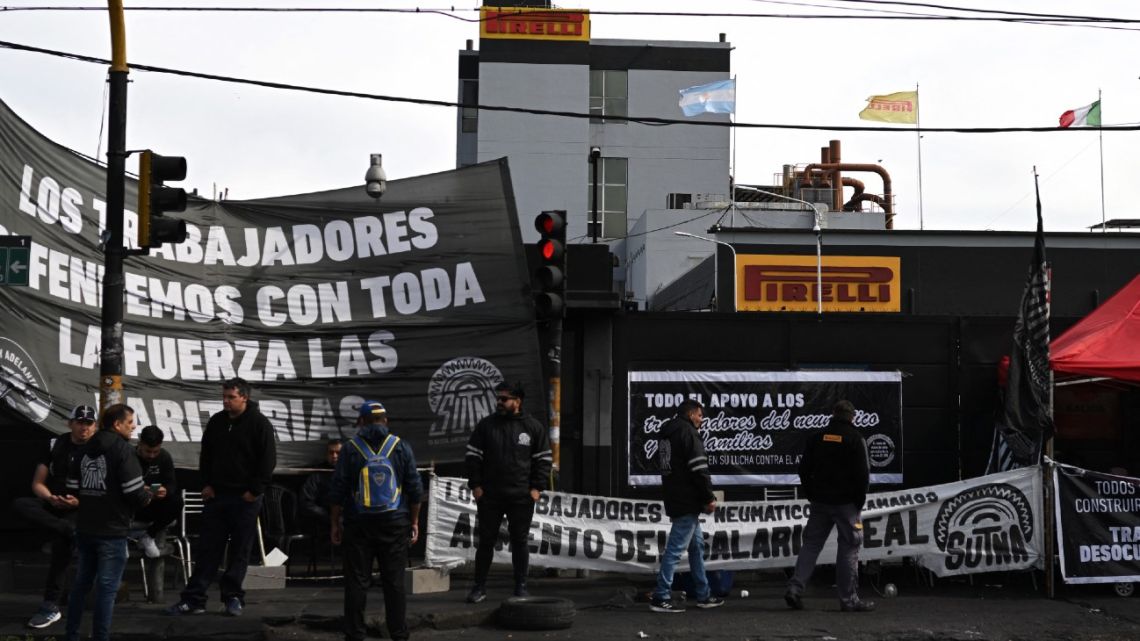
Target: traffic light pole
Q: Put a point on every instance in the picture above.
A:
(554, 393)
(111, 357)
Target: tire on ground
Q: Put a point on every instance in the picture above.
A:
(536, 613)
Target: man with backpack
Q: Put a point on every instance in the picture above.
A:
(377, 490)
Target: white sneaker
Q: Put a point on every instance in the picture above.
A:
(149, 547)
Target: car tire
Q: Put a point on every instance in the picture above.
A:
(536, 613)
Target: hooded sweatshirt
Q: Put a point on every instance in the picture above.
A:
(685, 476)
(238, 454)
(106, 477)
(345, 478)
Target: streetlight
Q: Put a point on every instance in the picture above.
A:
(818, 229)
(716, 283)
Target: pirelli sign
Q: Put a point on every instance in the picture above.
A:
(519, 23)
(781, 283)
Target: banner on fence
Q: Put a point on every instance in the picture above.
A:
(980, 525)
(1098, 526)
(756, 423)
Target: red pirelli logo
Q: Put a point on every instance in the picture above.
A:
(534, 24)
(842, 284)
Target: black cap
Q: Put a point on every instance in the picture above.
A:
(84, 413)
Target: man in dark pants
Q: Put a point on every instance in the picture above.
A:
(106, 476)
(687, 489)
(158, 475)
(53, 509)
(236, 463)
(508, 465)
(377, 491)
(834, 475)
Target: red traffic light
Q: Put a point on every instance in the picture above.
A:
(550, 250)
(549, 223)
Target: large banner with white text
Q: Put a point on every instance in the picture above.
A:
(980, 525)
(756, 423)
(419, 300)
(1098, 525)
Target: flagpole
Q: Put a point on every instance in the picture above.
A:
(1100, 132)
(918, 134)
(732, 170)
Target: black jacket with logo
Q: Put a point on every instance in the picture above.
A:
(238, 454)
(684, 465)
(106, 477)
(508, 456)
(833, 469)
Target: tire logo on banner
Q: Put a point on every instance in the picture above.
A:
(985, 527)
(460, 393)
(880, 450)
(22, 386)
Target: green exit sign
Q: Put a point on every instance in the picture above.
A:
(15, 259)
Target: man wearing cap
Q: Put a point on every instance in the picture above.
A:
(508, 465)
(377, 490)
(236, 462)
(158, 475)
(52, 508)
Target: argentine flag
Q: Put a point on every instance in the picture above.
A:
(716, 97)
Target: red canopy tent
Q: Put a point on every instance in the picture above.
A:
(1106, 342)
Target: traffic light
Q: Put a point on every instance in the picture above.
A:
(551, 272)
(156, 198)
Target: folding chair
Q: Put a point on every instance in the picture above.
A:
(192, 505)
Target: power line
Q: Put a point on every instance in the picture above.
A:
(648, 120)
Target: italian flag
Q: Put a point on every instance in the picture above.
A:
(1087, 116)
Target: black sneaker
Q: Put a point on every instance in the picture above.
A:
(182, 607)
(710, 603)
(520, 590)
(858, 606)
(232, 607)
(665, 606)
(477, 595)
(793, 600)
(45, 616)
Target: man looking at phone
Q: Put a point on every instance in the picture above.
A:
(158, 477)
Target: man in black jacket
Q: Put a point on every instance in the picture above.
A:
(106, 476)
(687, 487)
(236, 462)
(314, 499)
(158, 475)
(508, 465)
(834, 476)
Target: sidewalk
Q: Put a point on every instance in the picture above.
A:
(608, 607)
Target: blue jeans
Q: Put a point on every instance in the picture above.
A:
(685, 533)
(101, 563)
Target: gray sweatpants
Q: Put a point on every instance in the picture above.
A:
(849, 527)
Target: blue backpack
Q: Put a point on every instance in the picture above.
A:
(378, 487)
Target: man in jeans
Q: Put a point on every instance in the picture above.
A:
(236, 462)
(106, 476)
(53, 509)
(688, 492)
(834, 475)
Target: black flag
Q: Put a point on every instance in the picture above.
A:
(1026, 420)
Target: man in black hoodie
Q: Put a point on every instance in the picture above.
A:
(834, 476)
(508, 465)
(687, 487)
(236, 463)
(106, 476)
(377, 489)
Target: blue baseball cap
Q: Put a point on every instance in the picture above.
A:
(371, 408)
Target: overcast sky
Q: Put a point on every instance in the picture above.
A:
(264, 142)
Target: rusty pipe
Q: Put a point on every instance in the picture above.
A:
(888, 208)
(837, 177)
(853, 204)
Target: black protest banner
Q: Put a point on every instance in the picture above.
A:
(756, 423)
(1098, 526)
(418, 300)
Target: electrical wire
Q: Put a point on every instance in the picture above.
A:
(909, 131)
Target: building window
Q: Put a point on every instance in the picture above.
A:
(470, 115)
(611, 188)
(609, 95)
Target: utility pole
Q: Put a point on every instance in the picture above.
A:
(111, 357)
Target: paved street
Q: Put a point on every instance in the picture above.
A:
(996, 608)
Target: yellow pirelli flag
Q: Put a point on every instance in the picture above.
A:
(901, 106)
